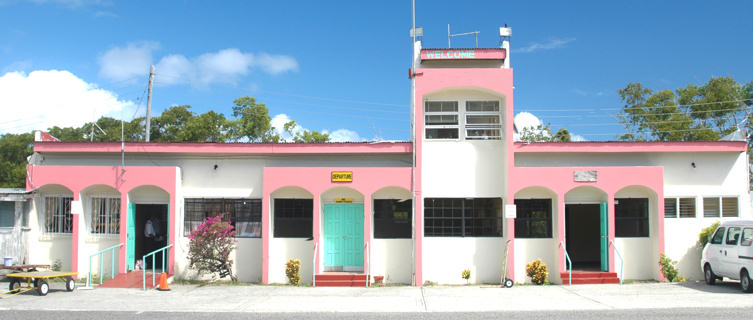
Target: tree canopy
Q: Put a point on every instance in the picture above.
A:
(250, 123)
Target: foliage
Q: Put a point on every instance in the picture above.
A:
(669, 269)
(466, 274)
(543, 133)
(253, 120)
(210, 246)
(537, 271)
(14, 148)
(292, 271)
(304, 136)
(706, 233)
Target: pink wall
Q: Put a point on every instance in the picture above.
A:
(317, 180)
(78, 178)
(610, 180)
(498, 81)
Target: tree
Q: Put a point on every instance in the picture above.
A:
(253, 121)
(14, 148)
(206, 127)
(210, 246)
(168, 126)
(304, 136)
(562, 135)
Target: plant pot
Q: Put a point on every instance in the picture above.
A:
(378, 279)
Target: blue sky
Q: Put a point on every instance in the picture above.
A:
(342, 66)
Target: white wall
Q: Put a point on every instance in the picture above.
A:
(391, 258)
(46, 248)
(444, 258)
(283, 249)
(528, 250)
(639, 263)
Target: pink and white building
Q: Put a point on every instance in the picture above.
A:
(410, 212)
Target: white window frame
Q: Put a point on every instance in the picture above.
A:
(108, 217)
(497, 126)
(457, 114)
(677, 206)
(720, 205)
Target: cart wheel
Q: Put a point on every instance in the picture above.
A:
(508, 283)
(14, 285)
(70, 284)
(43, 288)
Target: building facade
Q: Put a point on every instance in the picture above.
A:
(460, 196)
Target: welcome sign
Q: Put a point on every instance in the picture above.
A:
(463, 54)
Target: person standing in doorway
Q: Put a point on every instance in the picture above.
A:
(149, 238)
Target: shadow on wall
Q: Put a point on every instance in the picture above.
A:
(689, 264)
(487, 261)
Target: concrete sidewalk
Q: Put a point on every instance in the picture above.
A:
(387, 299)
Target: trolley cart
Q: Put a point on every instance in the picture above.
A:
(37, 280)
(506, 282)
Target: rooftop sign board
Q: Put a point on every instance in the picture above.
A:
(463, 54)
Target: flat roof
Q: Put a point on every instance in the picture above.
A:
(631, 146)
(225, 148)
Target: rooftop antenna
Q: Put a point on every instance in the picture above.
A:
(91, 136)
(450, 35)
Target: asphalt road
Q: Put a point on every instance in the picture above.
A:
(669, 314)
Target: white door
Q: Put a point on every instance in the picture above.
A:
(715, 249)
(729, 257)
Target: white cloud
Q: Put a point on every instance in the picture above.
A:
(224, 66)
(127, 63)
(344, 135)
(524, 120)
(46, 98)
(577, 138)
(279, 121)
(545, 45)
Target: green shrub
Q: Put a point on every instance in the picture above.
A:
(669, 269)
(292, 270)
(466, 274)
(537, 271)
(703, 237)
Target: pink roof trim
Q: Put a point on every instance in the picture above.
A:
(599, 147)
(225, 148)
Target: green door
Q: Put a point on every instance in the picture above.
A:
(604, 237)
(343, 236)
(131, 237)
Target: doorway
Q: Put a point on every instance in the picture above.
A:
(585, 236)
(343, 237)
(156, 215)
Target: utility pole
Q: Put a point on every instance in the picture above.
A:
(149, 103)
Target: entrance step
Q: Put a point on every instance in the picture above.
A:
(133, 279)
(340, 279)
(590, 277)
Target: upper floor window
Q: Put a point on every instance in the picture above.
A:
(441, 119)
(482, 120)
(57, 214)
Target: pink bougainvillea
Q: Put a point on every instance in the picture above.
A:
(210, 247)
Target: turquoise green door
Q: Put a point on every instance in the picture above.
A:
(131, 237)
(343, 235)
(604, 241)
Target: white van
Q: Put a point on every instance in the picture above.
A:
(729, 253)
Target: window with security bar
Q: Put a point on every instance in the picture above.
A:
(243, 214)
(105, 215)
(293, 218)
(482, 120)
(460, 217)
(57, 213)
(441, 120)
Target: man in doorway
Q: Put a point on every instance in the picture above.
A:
(149, 235)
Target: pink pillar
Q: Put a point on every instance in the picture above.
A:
(561, 233)
(317, 228)
(172, 210)
(610, 230)
(367, 231)
(265, 233)
(123, 264)
(419, 235)
(75, 236)
(660, 225)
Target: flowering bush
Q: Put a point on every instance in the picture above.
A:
(537, 271)
(466, 274)
(292, 270)
(210, 247)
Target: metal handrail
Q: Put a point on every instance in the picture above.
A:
(313, 267)
(622, 261)
(101, 254)
(153, 253)
(569, 263)
(368, 265)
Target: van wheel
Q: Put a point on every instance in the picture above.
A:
(745, 282)
(709, 275)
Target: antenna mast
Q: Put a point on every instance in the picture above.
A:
(149, 103)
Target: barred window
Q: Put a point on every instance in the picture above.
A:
(670, 207)
(243, 214)
(392, 219)
(687, 207)
(105, 215)
(533, 218)
(458, 217)
(293, 218)
(631, 217)
(57, 213)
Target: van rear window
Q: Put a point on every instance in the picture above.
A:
(747, 238)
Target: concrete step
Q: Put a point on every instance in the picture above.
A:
(133, 279)
(590, 277)
(341, 279)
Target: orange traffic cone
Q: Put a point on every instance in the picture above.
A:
(163, 282)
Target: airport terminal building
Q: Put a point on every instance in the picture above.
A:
(411, 212)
